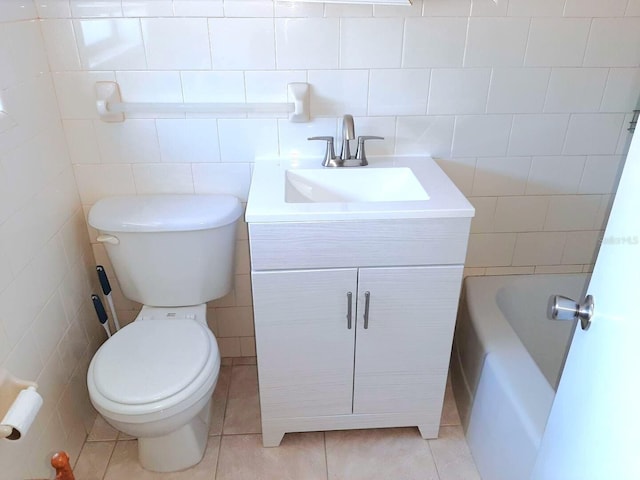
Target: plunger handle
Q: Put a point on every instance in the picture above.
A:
(60, 461)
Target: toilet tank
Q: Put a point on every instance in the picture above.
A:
(169, 250)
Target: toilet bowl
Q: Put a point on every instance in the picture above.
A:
(154, 378)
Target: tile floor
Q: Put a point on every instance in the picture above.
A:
(235, 452)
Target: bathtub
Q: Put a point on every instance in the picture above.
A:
(506, 363)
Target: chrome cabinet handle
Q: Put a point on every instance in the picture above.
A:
(349, 300)
(367, 295)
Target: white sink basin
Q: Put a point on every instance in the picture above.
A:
(352, 185)
(301, 190)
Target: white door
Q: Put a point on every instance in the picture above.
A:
(593, 432)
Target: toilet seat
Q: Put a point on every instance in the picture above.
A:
(151, 360)
(151, 367)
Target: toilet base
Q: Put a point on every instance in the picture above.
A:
(177, 450)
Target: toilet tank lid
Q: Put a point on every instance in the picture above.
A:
(164, 213)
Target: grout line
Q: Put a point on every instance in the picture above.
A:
(326, 460)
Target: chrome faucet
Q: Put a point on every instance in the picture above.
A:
(346, 159)
(348, 133)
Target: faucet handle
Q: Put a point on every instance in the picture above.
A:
(360, 153)
(329, 154)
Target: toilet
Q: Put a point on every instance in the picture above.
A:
(154, 378)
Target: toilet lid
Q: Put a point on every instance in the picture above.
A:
(150, 360)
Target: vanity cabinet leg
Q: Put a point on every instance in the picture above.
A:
(428, 431)
(271, 437)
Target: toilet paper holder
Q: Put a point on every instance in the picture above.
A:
(10, 390)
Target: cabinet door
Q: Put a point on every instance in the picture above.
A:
(304, 346)
(402, 357)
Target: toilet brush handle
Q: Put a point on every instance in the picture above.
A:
(104, 280)
(101, 312)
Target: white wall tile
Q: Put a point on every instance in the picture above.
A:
(110, 44)
(555, 175)
(298, 9)
(490, 249)
(248, 8)
(488, 8)
(520, 214)
(347, 10)
(458, 90)
(98, 181)
(381, 127)
(49, 327)
(557, 42)
(247, 140)
(81, 141)
(430, 135)
(213, 86)
(572, 212)
(539, 248)
(595, 134)
(581, 247)
(60, 42)
(538, 134)
(575, 89)
(535, 8)
(633, 9)
(622, 92)
(434, 42)
(16, 38)
(242, 44)
(601, 174)
(271, 86)
(498, 42)
(134, 86)
(412, 10)
(198, 8)
(96, 8)
(134, 141)
(460, 171)
(501, 176)
(53, 8)
(613, 42)
(293, 137)
(307, 43)
(176, 43)
(362, 46)
(337, 92)
(188, 141)
(227, 178)
(163, 178)
(517, 90)
(398, 92)
(483, 220)
(481, 135)
(446, 8)
(147, 8)
(76, 92)
(594, 8)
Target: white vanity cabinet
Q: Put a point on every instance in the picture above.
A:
(390, 367)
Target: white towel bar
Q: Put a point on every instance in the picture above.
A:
(111, 108)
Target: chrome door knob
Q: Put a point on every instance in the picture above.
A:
(563, 308)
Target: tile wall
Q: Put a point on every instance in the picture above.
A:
(524, 102)
(48, 332)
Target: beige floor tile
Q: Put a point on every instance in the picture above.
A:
(388, 453)
(300, 456)
(219, 401)
(102, 431)
(93, 460)
(124, 464)
(452, 456)
(450, 414)
(244, 360)
(243, 405)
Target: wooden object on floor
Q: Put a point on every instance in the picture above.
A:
(60, 461)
